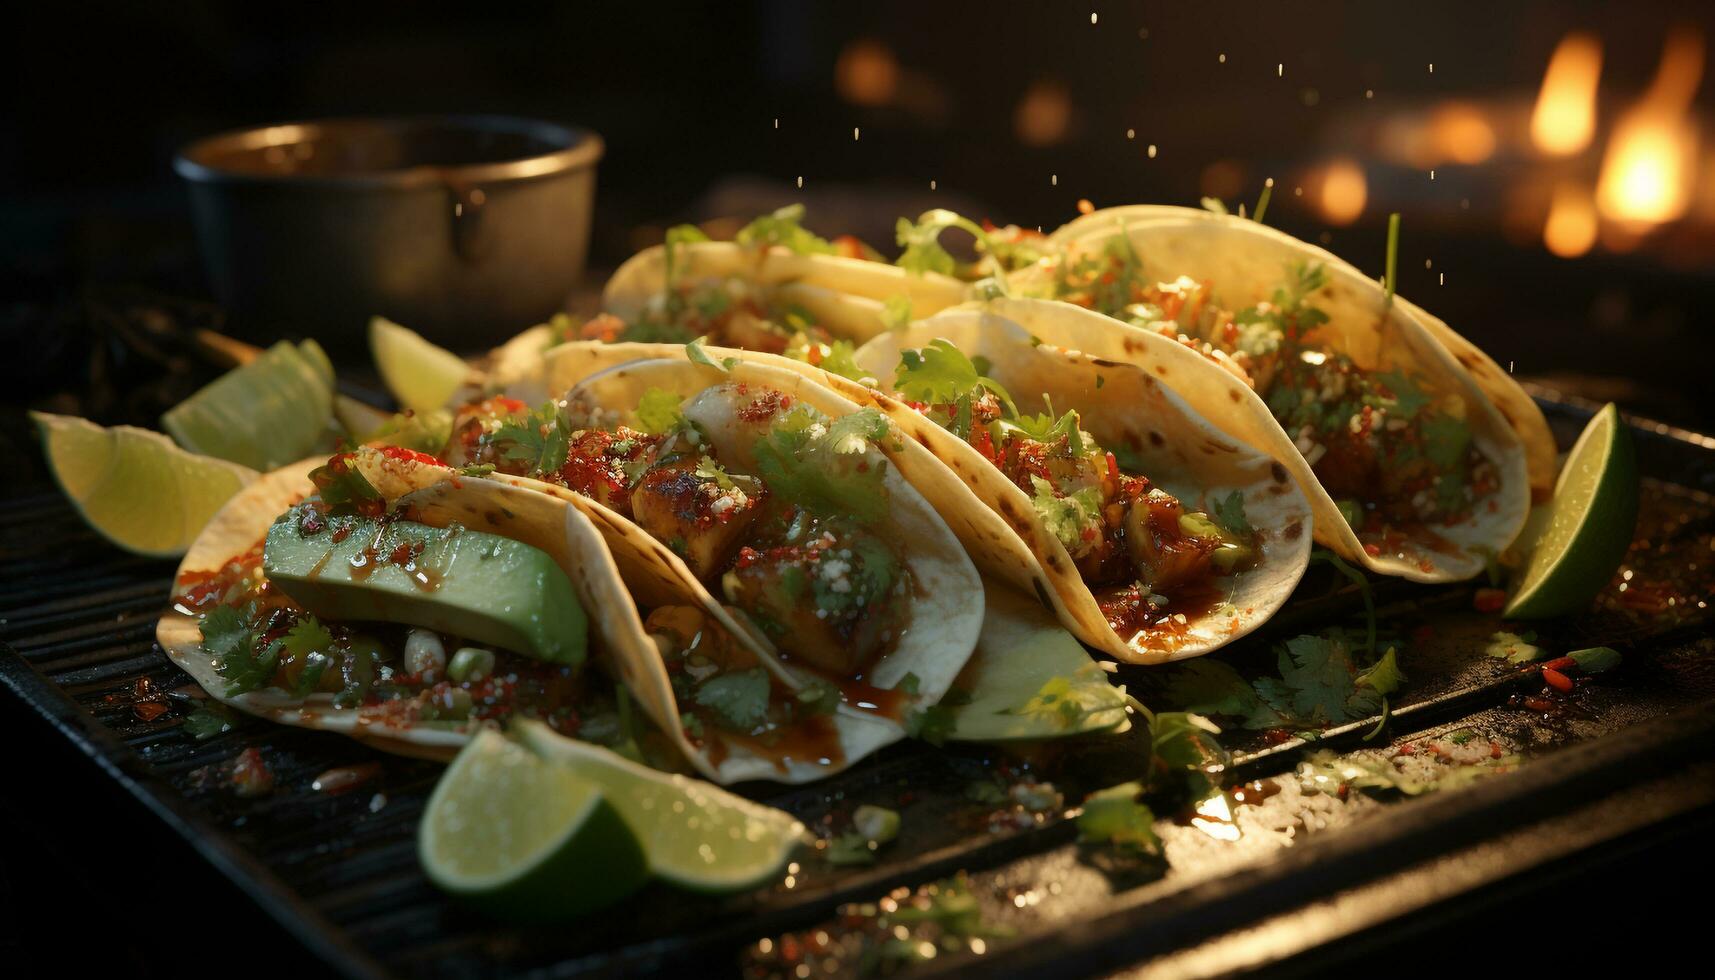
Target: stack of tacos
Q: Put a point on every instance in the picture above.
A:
(1402, 444)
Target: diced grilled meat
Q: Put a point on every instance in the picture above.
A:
(682, 503)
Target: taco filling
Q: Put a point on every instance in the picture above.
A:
(1394, 453)
(789, 534)
(1149, 560)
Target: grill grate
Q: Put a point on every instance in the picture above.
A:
(340, 872)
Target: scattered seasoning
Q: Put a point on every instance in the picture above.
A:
(881, 938)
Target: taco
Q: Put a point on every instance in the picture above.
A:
(1413, 470)
(775, 286)
(769, 502)
(387, 597)
(1510, 399)
(1189, 543)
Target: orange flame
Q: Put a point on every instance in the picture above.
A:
(1572, 225)
(1647, 170)
(1565, 116)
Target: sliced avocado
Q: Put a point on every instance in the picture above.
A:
(470, 584)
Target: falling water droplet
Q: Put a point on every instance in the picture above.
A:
(800, 182)
(1432, 68)
(1280, 71)
(776, 122)
(1429, 263)
(1431, 174)
(1131, 134)
(931, 185)
(1054, 180)
(1092, 16)
(854, 133)
(1221, 58)
(1443, 279)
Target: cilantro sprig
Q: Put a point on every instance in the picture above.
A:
(806, 459)
(784, 227)
(1319, 683)
(539, 439)
(941, 374)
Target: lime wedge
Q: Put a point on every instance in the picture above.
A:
(1586, 527)
(525, 838)
(140, 491)
(268, 413)
(697, 835)
(420, 375)
(357, 419)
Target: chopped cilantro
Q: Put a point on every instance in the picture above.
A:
(1595, 660)
(739, 700)
(848, 850)
(1316, 679)
(783, 227)
(538, 439)
(1229, 514)
(813, 474)
(231, 646)
(479, 469)
(853, 433)
(341, 487)
(1211, 687)
(1046, 427)
(425, 432)
(818, 697)
(1068, 517)
(1319, 684)
(209, 720)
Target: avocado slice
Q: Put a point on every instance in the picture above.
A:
(471, 584)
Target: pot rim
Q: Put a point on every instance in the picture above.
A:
(577, 149)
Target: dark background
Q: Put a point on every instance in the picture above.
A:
(687, 97)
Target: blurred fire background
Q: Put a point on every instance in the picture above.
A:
(1554, 163)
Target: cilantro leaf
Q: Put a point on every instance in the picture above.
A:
(1114, 816)
(1211, 687)
(1446, 441)
(539, 439)
(783, 227)
(1384, 677)
(231, 646)
(739, 700)
(1316, 679)
(696, 355)
(343, 488)
(819, 697)
(854, 433)
(940, 374)
(807, 472)
(1229, 513)
(1046, 427)
(658, 412)
(1595, 660)
(209, 720)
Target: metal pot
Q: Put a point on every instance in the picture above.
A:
(465, 228)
